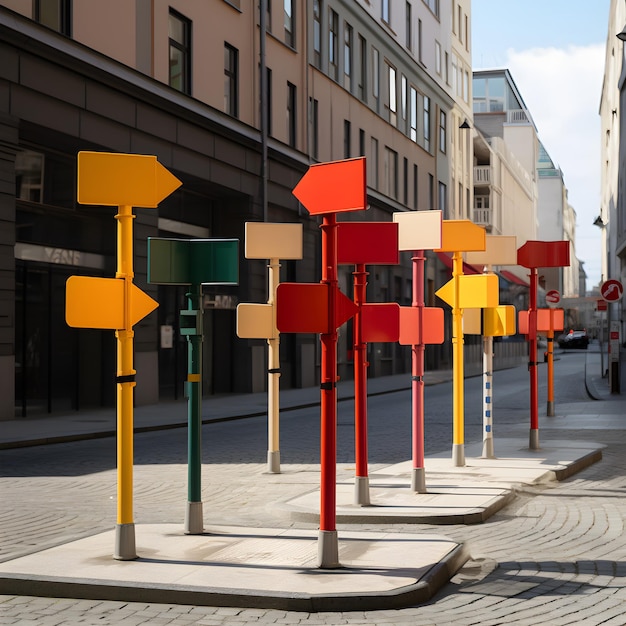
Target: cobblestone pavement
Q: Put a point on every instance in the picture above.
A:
(555, 556)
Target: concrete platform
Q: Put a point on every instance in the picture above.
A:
(277, 568)
(455, 495)
(242, 567)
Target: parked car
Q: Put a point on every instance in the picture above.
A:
(575, 339)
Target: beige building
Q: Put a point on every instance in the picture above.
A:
(182, 80)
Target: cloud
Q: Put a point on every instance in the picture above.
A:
(561, 88)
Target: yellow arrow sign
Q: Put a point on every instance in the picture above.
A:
(99, 303)
(112, 179)
(476, 291)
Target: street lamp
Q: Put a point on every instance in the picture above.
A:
(622, 35)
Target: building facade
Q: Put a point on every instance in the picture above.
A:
(236, 103)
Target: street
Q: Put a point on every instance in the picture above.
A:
(553, 556)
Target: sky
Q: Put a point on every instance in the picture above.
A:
(554, 50)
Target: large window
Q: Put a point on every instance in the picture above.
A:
(55, 14)
(363, 71)
(413, 115)
(180, 52)
(427, 123)
(347, 56)
(393, 94)
(291, 114)
(290, 23)
(317, 33)
(231, 80)
(442, 132)
(333, 44)
(376, 78)
(391, 172)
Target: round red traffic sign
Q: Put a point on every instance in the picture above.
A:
(553, 296)
(612, 290)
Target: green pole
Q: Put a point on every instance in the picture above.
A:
(194, 523)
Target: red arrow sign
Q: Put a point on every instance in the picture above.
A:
(544, 254)
(611, 290)
(333, 187)
(367, 242)
(303, 308)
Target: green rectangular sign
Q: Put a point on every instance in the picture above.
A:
(193, 261)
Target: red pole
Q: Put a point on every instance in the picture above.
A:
(532, 361)
(328, 551)
(418, 482)
(360, 389)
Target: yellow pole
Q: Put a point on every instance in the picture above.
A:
(125, 530)
(458, 452)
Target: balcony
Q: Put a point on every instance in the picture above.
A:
(482, 175)
(482, 217)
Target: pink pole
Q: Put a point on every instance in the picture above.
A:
(418, 480)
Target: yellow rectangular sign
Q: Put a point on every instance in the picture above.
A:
(462, 236)
(496, 322)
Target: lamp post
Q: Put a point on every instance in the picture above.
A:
(600, 223)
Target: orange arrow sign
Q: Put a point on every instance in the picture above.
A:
(333, 187)
(99, 303)
(112, 179)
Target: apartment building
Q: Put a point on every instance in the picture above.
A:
(237, 112)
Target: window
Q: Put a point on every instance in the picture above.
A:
(393, 95)
(347, 56)
(427, 123)
(376, 78)
(391, 172)
(347, 137)
(438, 57)
(361, 142)
(433, 5)
(291, 114)
(413, 114)
(419, 41)
(443, 199)
(386, 11)
(415, 187)
(333, 44)
(268, 16)
(29, 176)
(405, 181)
(55, 14)
(363, 71)
(442, 132)
(315, 127)
(317, 33)
(231, 80)
(373, 163)
(431, 191)
(409, 26)
(180, 52)
(290, 22)
(403, 101)
(268, 85)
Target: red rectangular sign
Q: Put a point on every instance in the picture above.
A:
(547, 320)
(380, 322)
(544, 254)
(602, 305)
(302, 308)
(367, 242)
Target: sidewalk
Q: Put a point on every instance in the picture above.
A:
(277, 568)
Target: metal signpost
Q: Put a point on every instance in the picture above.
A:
(612, 291)
(534, 254)
(478, 291)
(326, 189)
(125, 181)
(258, 321)
(491, 322)
(358, 244)
(193, 262)
(419, 325)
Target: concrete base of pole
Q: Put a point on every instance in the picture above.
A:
(534, 439)
(273, 461)
(362, 491)
(458, 455)
(125, 542)
(550, 412)
(328, 549)
(488, 452)
(418, 480)
(194, 519)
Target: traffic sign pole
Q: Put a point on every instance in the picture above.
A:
(550, 360)
(532, 361)
(458, 371)
(418, 473)
(125, 529)
(328, 546)
(273, 377)
(361, 485)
